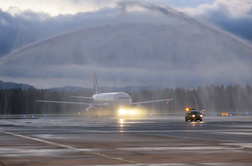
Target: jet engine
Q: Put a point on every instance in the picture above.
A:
(92, 111)
(140, 107)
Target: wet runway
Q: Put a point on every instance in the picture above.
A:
(166, 140)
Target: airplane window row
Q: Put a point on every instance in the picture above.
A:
(120, 98)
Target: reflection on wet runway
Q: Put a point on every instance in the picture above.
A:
(104, 141)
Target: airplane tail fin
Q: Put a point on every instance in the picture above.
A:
(96, 87)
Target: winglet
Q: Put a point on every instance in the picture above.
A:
(96, 87)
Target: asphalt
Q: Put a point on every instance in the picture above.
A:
(153, 140)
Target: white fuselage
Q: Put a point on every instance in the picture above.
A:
(118, 98)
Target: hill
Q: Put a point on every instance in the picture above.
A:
(11, 85)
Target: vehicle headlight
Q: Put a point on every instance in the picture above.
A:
(122, 111)
(201, 116)
(193, 116)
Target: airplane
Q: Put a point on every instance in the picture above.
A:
(119, 102)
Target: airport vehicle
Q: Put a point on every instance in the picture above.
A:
(193, 115)
(119, 103)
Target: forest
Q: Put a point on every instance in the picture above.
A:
(212, 98)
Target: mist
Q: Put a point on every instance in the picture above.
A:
(134, 44)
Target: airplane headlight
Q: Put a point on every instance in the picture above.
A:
(122, 111)
(132, 112)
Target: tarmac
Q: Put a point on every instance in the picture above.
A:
(153, 140)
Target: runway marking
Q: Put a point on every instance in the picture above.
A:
(185, 137)
(238, 133)
(180, 148)
(191, 164)
(244, 145)
(70, 147)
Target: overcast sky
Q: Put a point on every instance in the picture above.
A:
(59, 16)
(56, 7)
(30, 21)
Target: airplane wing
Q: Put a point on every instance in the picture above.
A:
(152, 101)
(67, 102)
(81, 97)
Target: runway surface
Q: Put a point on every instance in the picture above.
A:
(164, 140)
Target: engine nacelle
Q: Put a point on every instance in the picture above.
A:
(92, 111)
(140, 107)
(140, 110)
(90, 108)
